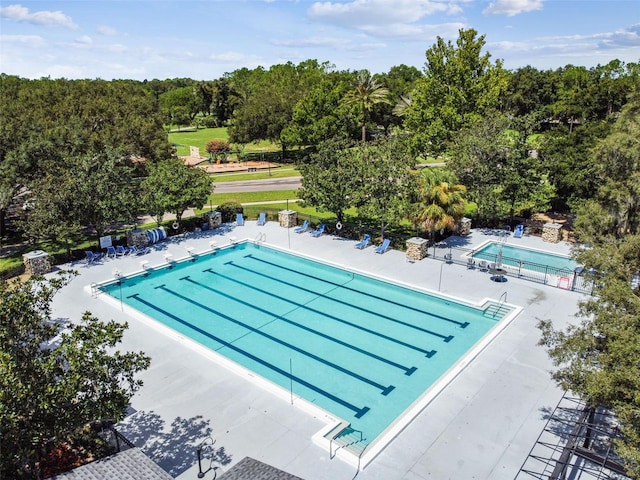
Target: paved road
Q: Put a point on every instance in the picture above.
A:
(288, 183)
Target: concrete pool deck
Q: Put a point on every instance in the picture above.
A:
(482, 425)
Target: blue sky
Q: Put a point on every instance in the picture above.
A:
(145, 39)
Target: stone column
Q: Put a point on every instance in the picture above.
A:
(36, 262)
(288, 218)
(137, 237)
(552, 232)
(214, 219)
(464, 227)
(416, 248)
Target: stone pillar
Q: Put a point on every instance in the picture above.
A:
(552, 232)
(214, 219)
(464, 227)
(36, 262)
(416, 248)
(288, 218)
(137, 237)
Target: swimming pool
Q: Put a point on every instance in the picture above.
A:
(363, 349)
(521, 257)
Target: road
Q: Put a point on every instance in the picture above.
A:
(288, 183)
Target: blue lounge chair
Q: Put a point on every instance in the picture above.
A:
(384, 246)
(133, 250)
(364, 242)
(121, 251)
(111, 252)
(302, 228)
(92, 257)
(262, 219)
(517, 233)
(239, 220)
(319, 231)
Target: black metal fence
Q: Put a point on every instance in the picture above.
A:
(574, 280)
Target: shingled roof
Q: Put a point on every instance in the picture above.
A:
(130, 464)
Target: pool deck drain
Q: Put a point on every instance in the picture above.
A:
(481, 426)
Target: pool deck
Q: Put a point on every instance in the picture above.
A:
(481, 426)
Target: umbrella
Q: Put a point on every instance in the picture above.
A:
(499, 258)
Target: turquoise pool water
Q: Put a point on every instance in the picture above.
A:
(512, 255)
(358, 347)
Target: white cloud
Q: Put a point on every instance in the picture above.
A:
(31, 41)
(416, 32)
(511, 8)
(330, 42)
(107, 31)
(46, 18)
(378, 12)
(84, 40)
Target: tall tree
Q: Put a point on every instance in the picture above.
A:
(385, 179)
(492, 160)
(599, 358)
(330, 176)
(172, 186)
(617, 162)
(440, 200)
(54, 376)
(366, 93)
(460, 85)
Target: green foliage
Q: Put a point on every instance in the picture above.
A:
(366, 93)
(502, 178)
(331, 176)
(439, 201)
(599, 358)
(229, 211)
(172, 186)
(180, 106)
(55, 377)
(459, 87)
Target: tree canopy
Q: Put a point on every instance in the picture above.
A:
(55, 375)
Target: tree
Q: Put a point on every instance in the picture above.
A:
(599, 358)
(440, 200)
(492, 159)
(321, 114)
(330, 177)
(366, 93)
(385, 177)
(55, 376)
(181, 105)
(460, 85)
(618, 159)
(172, 186)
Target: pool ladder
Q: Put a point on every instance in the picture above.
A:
(261, 237)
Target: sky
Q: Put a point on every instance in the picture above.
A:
(204, 39)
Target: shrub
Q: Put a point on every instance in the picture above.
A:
(217, 146)
(229, 211)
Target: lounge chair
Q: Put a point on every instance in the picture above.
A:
(517, 233)
(319, 231)
(121, 251)
(262, 219)
(111, 252)
(133, 250)
(364, 242)
(483, 266)
(471, 263)
(92, 257)
(302, 228)
(239, 220)
(384, 246)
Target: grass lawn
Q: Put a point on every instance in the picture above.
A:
(199, 138)
(252, 197)
(280, 172)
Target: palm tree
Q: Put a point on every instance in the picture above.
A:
(367, 93)
(441, 200)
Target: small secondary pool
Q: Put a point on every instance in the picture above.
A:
(515, 256)
(363, 349)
